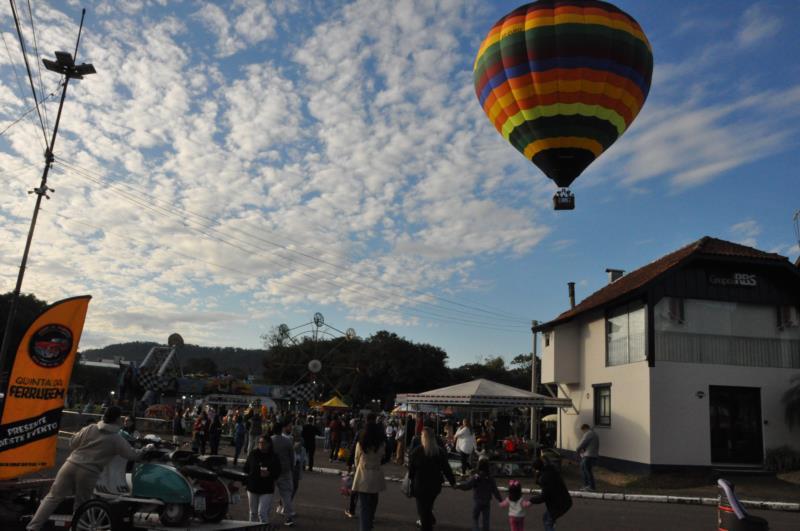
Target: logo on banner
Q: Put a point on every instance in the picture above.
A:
(50, 345)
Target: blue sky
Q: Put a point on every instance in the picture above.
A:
(237, 165)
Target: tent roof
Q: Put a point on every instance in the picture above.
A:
(334, 402)
(483, 392)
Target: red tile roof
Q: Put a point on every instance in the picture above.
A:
(634, 280)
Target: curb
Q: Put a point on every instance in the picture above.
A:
(645, 498)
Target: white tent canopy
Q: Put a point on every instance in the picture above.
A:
(483, 392)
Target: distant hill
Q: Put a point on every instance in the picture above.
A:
(249, 360)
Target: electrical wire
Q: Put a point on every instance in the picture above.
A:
(415, 313)
(467, 310)
(16, 75)
(28, 67)
(466, 318)
(26, 113)
(38, 63)
(314, 254)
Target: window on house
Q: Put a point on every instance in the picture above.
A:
(788, 317)
(625, 335)
(547, 339)
(676, 312)
(602, 405)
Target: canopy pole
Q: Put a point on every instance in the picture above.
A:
(534, 416)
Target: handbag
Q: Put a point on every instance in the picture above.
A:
(405, 486)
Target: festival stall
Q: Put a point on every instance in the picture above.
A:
(509, 457)
(334, 404)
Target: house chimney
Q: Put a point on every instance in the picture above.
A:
(614, 274)
(571, 286)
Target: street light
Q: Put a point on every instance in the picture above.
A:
(64, 65)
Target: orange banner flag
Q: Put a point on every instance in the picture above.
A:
(37, 388)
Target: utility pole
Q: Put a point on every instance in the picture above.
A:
(64, 65)
(534, 412)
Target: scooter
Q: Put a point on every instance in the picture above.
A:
(169, 483)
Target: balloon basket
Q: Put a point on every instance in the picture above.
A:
(564, 200)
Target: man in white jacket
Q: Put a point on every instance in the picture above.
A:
(91, 449)
(465, 444)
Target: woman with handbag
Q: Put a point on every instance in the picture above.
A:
(427, 469)
(368, 480)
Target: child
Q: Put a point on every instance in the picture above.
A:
(516, 506)
(483, 487)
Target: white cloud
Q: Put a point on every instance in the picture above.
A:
(757, 24)
(746, 232)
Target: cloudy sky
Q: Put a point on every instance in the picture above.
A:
(237, 165)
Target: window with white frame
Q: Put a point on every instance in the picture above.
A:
(625, 335)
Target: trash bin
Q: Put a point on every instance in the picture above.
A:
(731, 515)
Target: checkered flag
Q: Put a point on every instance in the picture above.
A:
(151, 381)
(302, 393)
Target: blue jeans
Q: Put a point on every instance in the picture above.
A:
(367, 505)
(481, 512)
(586, 471)
(548, 521)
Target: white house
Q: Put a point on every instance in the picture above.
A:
(683, 361)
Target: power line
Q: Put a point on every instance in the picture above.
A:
(128, 237)
(28, 67)
(314, 255)
(16, 75)
(26, 113)
(255, 249)
(38, 65)
(339, 268)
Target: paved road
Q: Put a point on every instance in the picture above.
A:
(320, 507)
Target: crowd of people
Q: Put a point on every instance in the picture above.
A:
(276, 447)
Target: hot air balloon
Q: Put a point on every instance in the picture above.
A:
(561, 80)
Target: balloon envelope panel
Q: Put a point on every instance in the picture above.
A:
(561, 80)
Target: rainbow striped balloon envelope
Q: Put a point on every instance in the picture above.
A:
(561, 80)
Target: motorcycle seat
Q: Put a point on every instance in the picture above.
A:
(197, 472)
(233, 473)
(214, 462)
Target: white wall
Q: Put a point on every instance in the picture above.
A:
(560, 359)
(681, 431)
(628, 437)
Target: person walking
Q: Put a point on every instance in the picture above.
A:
(300, 460)
(200, 433)
(400, 439)
(391, 431)
(516, 506)
(336, 437)
(239, 434)
(284, 449)
(554, 494)
(483, 487)
(309, 435)
(427, 469)
(91, 449)
(214, 434)
(262, 468)
(465, 444)
(588, 449)
(368, 479)
(256, 428)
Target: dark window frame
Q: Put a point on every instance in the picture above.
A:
(603, 421)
